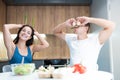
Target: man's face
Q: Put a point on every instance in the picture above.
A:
(80, 30)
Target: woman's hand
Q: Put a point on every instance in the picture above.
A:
(42, 43)
(36, 33)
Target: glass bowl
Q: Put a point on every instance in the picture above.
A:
(22, 69)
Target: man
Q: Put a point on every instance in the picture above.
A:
(84, 49)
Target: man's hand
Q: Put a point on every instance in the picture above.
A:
(69, 22)
(84, 20)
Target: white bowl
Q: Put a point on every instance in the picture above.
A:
(44, 74)
(57, 75)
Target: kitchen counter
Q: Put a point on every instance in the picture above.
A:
(3, 60)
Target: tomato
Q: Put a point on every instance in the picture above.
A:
(79, 68)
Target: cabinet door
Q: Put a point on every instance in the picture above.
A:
(2, 14)
(58, 49)
(45, 18)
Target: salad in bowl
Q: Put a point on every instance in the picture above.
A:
(22, 69)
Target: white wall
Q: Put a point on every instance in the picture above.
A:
(99, 9)
(114, 14)
(110, 53)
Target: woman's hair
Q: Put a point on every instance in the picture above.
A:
(28, 42)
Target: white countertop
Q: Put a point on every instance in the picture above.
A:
(94, 75)
(10, 76)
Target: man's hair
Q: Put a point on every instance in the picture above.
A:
(88, 25)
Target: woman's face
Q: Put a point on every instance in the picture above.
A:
(25, 33)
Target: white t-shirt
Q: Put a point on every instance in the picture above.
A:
(84, 51)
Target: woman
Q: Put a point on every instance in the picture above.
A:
(22, 48)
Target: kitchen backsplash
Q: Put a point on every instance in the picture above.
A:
(3, 51)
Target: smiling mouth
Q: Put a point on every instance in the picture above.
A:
(24, 36)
